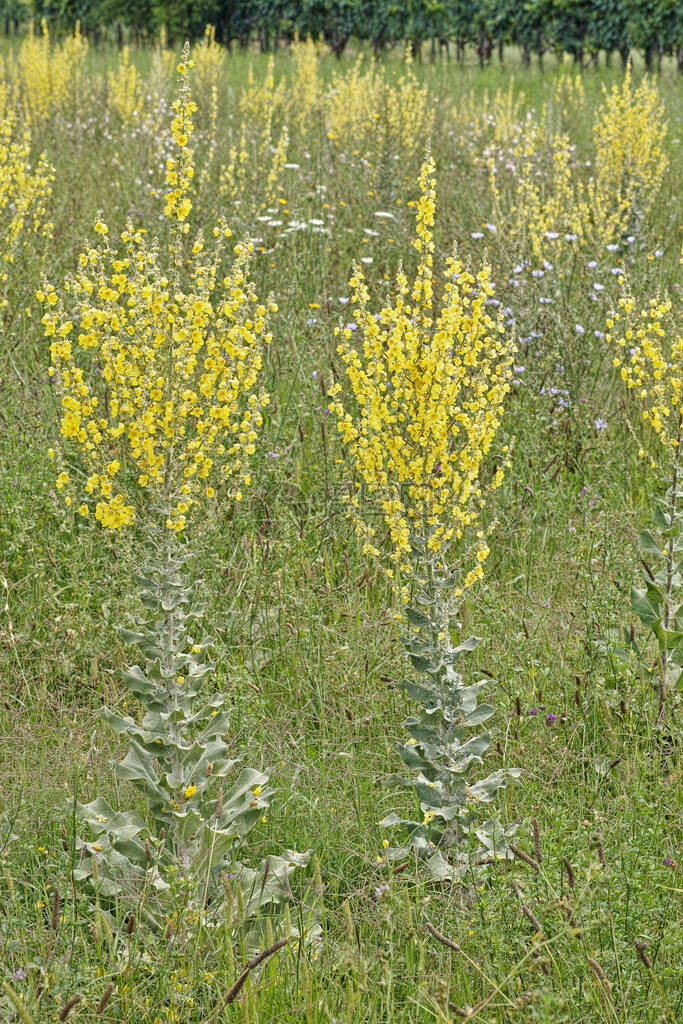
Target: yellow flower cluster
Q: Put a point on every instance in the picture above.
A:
(48, 76)
(180, 169)
(629, 133)
(209, 58)
(545, 198)
(25, 185)
(25, 188)
(368, 109)
(365, 111)
(253, 174)
(568, 95)
(305, 94)
(261, 100)
(429, 390)
(407, 104)
(547, 201)
(125, 90)
(353, 103)
(157, 373)
(650, 360)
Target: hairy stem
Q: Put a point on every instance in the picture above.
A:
(670, 568)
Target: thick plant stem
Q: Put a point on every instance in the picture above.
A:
(670, 569)
(169, 583)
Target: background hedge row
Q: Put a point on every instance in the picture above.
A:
(583, 28)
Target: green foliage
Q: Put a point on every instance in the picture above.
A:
(654, 26)
(451, 836)
(335, 20)
(608, 26)
(178, 758)
(659, 604)
(567, 26)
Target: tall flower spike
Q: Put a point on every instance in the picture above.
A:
(429, 399)
(649, 357)
(180, 169)
(157, 368)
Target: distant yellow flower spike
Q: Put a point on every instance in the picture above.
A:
(49, 75)
(627, 171)
(649, 356)
(125, 88)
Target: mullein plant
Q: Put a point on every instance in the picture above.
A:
(649, 356)
(427, 389)
(25, 189)
(547, 205)
(156, 354)
(49, 77)
(125, 89)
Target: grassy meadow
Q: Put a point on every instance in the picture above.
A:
(586, 927)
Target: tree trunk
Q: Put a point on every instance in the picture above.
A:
(337, 42)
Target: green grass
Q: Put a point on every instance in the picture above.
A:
(309, 651)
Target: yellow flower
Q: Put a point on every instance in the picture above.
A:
(190, 791)
(649, 357)
(161, 373)
(429, 386)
